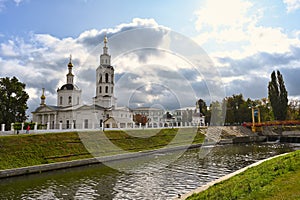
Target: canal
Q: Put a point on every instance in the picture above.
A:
(145, 180)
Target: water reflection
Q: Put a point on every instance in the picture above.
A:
(145, 181)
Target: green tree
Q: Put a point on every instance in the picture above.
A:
(278, 96)
(13, 101)
(237, 109)
(201, 105)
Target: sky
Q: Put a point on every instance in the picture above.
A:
(165, 53)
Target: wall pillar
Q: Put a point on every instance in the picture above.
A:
(49, 118)
(43, 119)
(60, 126)
(48, 125)
(55, 122)
(35, 126)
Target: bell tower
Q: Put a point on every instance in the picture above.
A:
(105, 80)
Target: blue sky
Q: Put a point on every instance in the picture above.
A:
(246, 40)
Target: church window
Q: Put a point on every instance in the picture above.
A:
(100, 89)
(86, 123)
(112, 90)
(60, 100)
(106, 78)
(106, 89)
(70, 99)
(100, 79)
(112, 78)
(105, 61)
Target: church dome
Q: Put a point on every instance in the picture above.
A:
(69, 87)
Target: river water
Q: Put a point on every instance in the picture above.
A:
(143, 181)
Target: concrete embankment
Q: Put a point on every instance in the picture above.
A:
(89, 161)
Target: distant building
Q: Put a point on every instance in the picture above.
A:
(189, 115)
(154, 115)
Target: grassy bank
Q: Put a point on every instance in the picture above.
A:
(35, 149)
(278, 178)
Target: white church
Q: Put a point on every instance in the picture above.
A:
(70, 113)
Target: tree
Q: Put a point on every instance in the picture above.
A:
(237, 109)
(278, 96)
(138, 118)
(201, 105)
(13, 101)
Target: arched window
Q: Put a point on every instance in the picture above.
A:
(100, 89)
(112, 78)
(112, 89)
(106, 78)
(60, 100)
(100, 79)
(70, 99)
(106, 89)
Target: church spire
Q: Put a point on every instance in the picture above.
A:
(105, 57)
(70, 76)
(43, 98)
(105, 47)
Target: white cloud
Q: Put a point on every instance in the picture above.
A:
(232, 26)
(246, 51)
(17, 2)
(216, 14)
(292, 5)
(4, 2)
(8, 49)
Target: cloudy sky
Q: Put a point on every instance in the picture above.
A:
(165, 53)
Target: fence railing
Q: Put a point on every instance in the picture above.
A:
(60, 127)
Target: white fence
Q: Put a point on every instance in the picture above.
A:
(71, 127)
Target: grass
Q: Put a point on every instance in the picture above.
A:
(278, 178)
(35, 149)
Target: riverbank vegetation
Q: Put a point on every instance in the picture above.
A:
(35, 149)
(278, 178)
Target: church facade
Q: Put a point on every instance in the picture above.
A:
(71, 113)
